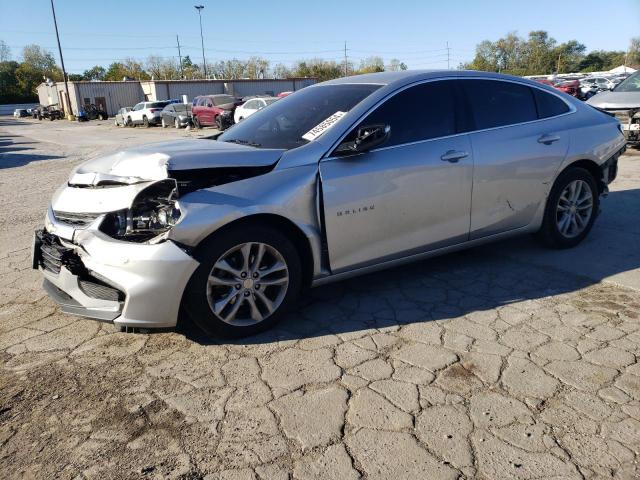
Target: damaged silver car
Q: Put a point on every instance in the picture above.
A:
(623, 102)
(339, 179)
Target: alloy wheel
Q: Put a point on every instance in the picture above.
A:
(247, 284)
(574, 209)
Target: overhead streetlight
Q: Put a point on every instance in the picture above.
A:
(204, 62)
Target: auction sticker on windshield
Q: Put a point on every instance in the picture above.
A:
(323, 126)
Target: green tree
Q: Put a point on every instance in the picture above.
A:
(319, 68)
(10, 91)
(371, 65)
(5, 52)
(95, 73)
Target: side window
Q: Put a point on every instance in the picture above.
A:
(548, 105)
(251, 105)
(495, 103)
(138, 107)
(418, 113)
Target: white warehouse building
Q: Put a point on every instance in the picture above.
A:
(112, 96)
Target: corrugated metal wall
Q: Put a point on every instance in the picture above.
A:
(127, 94)
(116, 94)
(164, 90)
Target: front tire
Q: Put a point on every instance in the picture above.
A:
(164, 124)
(246, 281)
(176, 123)
(571, 209)
(196, 123)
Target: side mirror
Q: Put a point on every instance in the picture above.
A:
(367, 138)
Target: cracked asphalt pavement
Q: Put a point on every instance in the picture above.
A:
(497, 362)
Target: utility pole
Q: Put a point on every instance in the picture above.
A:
(204, 62)
(180, 58)
(64, 72)
(448, 56)
(346, 71)
(558, 66)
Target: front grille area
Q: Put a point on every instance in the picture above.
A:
(53, 253)
(76, 220)
(100, 291)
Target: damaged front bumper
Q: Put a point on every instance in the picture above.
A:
(95, 276)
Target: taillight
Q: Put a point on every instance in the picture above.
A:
(153, 110)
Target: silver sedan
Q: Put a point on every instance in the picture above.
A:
(339, 179)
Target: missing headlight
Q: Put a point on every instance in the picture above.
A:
(152, 213)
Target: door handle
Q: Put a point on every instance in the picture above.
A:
(453, 156)
(548, 139)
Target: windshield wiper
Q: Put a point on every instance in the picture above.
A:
(243, 142)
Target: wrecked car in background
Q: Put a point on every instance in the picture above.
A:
(624, 103)
(339, 179)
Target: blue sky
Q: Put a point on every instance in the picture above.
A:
(415, 32)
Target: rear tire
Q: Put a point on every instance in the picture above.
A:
(145, 122)
(202, 296)
(571, 210)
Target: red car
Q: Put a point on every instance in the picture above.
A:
(572, 87)
(209, 110)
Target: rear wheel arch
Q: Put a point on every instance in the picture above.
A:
(280, 224)
(590, 166)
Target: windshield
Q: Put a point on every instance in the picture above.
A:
(283, 123)
(223, 100)
(631, 84)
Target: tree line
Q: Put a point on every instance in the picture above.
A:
(541, 54)
(19, 80)
(537, 54)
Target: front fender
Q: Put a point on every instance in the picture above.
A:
(289, 193)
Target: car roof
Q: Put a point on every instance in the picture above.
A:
(409, 76)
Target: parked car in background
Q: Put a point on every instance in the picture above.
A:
(588, 90)
(92, 112)
(50, 112)
(601, 82)
(120, 119)
(251, 106)
(341, 179)
(214, 110)
(20, 112)
(176, 115)
(146, 113)
(571, 87)
(624, 104)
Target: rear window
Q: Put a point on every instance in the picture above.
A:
(548, 105)
(495, 103)
(157, 104)
(223, 100)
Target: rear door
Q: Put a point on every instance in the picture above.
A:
(516, 151)
(409, 195)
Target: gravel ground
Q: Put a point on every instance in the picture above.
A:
(482, 364)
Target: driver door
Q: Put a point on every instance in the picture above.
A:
(410, 194)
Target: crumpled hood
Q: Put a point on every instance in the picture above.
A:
(615, 100)
(154, 161)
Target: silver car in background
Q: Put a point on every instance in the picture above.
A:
(624, 103)
(339, 179)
